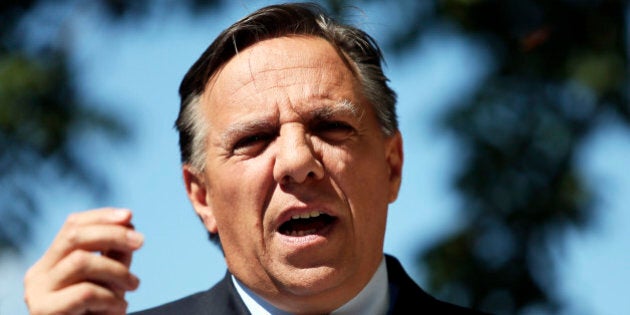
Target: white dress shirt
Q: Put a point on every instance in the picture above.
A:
(372, 300)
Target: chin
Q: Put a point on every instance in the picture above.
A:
(314, 291)
(312, 281)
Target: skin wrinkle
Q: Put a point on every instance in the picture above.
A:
(369, 79)
(252, 77)
(272, 69)
(351, 180)
(267, 68)
(240, 129)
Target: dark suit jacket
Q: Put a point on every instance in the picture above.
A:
(406, 297)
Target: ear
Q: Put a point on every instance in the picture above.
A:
(394, 158)
(198, 193)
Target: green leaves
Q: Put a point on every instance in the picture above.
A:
(41, 116)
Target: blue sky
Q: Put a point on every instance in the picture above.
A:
(133, 70)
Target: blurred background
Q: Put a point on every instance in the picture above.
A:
(515, 117)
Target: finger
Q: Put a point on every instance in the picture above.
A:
(87, 297)
(120, 256)
(79, 299)
(103, 216)
(97, 238)
(119, 216)
(90, 298)
(82, 266)
(123, 258)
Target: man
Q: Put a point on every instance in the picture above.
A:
(291, 155)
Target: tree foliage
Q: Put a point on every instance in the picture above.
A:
(561, 70)
(40, 113)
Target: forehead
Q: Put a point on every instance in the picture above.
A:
(302, 66)
(294, 52)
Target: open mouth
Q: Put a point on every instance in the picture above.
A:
(306, 224)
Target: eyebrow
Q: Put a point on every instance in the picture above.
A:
(243, 128)
(343, 107)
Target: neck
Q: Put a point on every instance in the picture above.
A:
(372, 298)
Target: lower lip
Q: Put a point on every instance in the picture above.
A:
(314, 239)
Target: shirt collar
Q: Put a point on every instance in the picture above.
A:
(373, 299)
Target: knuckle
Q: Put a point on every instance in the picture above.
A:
(73, 219)
(72, 235)
(87, 295)
(80, 261)
(33, 278)
(28, 276)
(119, 306)
(27, 301)
(92, 297)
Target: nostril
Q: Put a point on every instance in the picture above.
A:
(286, 179)
(297, 164)
(289, 180)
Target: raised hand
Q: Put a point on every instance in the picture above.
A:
(86, 268)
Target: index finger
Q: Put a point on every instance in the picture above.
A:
(119, 216)
(86, 225)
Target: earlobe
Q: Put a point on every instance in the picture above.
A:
(197, 190)
(394, 156)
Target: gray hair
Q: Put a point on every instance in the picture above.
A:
(358, 49)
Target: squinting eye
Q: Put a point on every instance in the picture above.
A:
(251, 144)
(333, 130)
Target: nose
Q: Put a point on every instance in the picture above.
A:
(296, 160)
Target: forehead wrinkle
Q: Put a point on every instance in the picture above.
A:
(269, 69)
(263, 61)
(275, 77)
(253, 77)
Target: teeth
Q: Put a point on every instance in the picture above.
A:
(302, 233)
(312, 214)
(307, 215)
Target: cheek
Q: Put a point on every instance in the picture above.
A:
(362, 177)
(238, 201)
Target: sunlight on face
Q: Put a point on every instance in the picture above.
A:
(298, 173)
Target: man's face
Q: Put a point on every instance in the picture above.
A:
(298, 174)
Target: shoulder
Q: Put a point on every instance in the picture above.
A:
(220, 299)
(406, 295)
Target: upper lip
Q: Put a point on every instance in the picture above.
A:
(290, 212)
